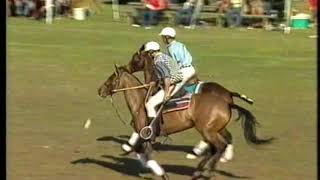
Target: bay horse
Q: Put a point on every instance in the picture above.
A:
(142, 61)
(207, 113)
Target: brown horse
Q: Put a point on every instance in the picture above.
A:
(207, 113)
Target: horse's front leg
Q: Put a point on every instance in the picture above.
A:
(143, 148)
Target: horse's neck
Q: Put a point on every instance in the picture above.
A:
(134, 97)
(148, 70)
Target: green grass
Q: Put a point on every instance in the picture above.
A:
(54, 72)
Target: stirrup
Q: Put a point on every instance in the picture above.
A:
(146, 133)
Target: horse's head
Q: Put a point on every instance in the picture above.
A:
(141, 61)
(113, 82)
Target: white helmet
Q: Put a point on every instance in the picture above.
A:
(152, 46)
(168, 31)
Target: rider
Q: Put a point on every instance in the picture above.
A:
(167, 73)
(180, 54)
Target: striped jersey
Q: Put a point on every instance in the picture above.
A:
(166, 67)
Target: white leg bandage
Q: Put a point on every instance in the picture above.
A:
(153, 102)
(228, 154)
(200, 148)
(187, 73)
(155, 167)
(132, 141)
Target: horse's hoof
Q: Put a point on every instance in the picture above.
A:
(196, 175)
(191, 156)
(165, 177)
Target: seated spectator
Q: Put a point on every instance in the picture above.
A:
(233, 14)
(224, 6)
(313, 8)
(256, 7)
(62, 7)
(150, 14)
(24, 7)
(153, 12)
(184, 15)
(10, 10)
(18, 7)
(40, 9)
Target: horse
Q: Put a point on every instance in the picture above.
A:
(207, 113)
(142, 61)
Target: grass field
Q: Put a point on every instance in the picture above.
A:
(54, 72)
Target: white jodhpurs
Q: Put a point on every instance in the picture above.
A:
(153, 102)
(187, 73)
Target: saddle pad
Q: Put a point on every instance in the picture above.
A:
(177, 104)
(182, 99)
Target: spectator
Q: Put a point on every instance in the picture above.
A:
(256, 7)
(29, 7)
(10, 7)
(224, 6)
(39, 11)
(184, 15)
(62, 7)
(233, 15)
(153, 12)
(18, 7)
(313, 9)
(24, 7)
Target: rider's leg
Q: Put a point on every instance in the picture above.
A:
(151, 112)
(153, 102)
(187, 73)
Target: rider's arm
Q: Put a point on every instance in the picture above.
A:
(166, 84)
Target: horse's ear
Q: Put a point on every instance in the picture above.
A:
(116, 69)
(141, 48)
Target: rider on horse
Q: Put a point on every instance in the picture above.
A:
(167, 73)
(180, 54)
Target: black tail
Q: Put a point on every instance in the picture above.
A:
(249, 123)
(243, 97)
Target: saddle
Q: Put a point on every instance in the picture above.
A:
(181, 100)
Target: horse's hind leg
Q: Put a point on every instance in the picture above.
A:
(220, 145)
(228, 153)
(200, 168)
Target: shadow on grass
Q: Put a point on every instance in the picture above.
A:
(128, 166)
(132, 167)
(157, 146)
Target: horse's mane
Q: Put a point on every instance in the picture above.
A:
(124, 69)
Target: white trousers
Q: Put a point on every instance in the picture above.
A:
(187, 73)
(153, 102)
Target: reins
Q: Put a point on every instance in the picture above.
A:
(117, 112)
(125, 89)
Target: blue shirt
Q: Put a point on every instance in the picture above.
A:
(179, 53)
